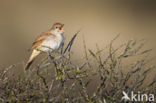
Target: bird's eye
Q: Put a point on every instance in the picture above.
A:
(56, 27)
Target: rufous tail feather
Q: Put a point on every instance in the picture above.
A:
(34, 54)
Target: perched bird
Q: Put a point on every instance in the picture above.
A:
(47, 42)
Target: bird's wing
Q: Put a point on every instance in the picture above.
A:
(40, 39)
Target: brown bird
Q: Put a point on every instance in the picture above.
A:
(47, 42)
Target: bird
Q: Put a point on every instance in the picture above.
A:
(49, 41)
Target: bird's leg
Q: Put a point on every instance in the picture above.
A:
(49, 54)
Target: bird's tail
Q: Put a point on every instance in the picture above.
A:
(34, 54)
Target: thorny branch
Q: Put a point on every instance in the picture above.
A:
(58, 80)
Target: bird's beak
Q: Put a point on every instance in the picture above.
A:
(61, 28)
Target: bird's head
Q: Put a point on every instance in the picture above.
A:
(57, 28)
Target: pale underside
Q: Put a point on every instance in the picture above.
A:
(50, 43)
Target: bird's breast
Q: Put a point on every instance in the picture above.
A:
(52, 43)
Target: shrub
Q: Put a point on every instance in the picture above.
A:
(101, 78)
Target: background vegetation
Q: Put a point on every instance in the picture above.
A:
(100, 78)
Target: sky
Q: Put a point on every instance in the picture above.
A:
(21, 21)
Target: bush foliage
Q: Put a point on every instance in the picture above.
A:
(101, 77)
